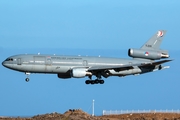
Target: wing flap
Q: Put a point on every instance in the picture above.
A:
(120, 67)
(127, 67)
(156, 63)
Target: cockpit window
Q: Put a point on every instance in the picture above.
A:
(9, 59)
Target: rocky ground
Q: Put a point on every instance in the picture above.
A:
(80, 115)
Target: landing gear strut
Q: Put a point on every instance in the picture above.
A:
(27, 79)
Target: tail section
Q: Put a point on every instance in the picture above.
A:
(151, 49)
(155, 41)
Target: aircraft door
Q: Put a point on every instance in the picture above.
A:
(19, 61)
(48, 61)
(48, 66)
(85, 63)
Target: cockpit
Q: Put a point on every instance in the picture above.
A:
(8, 62)
(9, 59)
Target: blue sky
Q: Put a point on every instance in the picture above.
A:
(103, 27)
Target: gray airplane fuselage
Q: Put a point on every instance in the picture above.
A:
(145, 59)
(63, 64)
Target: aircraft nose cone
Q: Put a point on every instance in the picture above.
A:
(3, 63)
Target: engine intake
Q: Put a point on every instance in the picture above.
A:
(148, 54)
(80, 73)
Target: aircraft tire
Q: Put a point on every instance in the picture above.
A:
(27, 79)
(87, 81)
(92, 82)
(96, 81)
(101, 81)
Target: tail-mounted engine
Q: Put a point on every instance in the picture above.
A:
(148, 54)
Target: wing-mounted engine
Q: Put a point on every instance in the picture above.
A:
(80, 73)
(148, 54)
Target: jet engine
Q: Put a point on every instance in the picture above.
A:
(80, 73)
(148, 54)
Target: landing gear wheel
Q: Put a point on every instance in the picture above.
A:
(96, 81)
(87, 81)
(101, 81)
(92, 82)
(27, 79)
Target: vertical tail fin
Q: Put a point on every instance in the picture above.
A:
(155, 41)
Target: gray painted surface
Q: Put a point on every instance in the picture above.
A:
(81, 66)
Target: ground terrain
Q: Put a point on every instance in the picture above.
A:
(80, 115)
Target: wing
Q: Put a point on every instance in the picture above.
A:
(127, 67)
(156, 63)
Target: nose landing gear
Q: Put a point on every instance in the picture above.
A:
(27, 79)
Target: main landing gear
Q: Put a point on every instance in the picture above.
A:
(96, 81)
(27, 79)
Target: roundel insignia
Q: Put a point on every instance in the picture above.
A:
(160, 34)
(146, 53)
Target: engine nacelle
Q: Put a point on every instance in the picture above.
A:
(148, 54)
(80, 73)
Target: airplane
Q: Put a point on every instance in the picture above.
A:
(144, 60)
